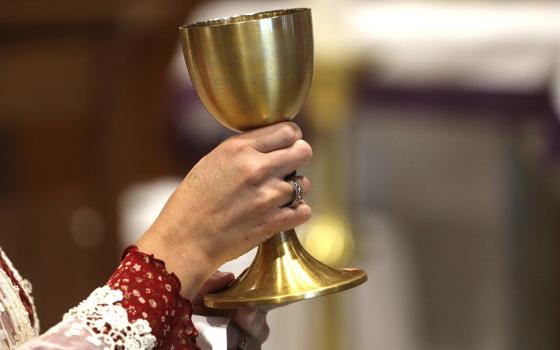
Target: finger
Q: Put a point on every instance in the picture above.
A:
(217, 282)
(254, 344)
(286, 160)
(253, 322)
(273, 137)
(286, 218)
(234, 336)
(285, 191)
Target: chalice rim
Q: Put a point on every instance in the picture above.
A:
(251, 17)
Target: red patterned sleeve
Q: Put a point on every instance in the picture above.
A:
(151, 293)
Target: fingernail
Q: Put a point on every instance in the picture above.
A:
(221, 273)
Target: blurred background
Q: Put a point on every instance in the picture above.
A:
(436, 132)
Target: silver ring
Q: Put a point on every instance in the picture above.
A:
(298, 191)
(243, 343)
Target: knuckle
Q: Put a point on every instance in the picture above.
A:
(235, 145)
(286, 220)
(289, 133)
(239, 320)
(304, 212)
(296, 128)
(269, 226)
(306, 185)
(265, 333)
(262, 202)
(305, 150)
(255, 322)
(253, 172)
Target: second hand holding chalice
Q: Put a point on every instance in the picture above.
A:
(251, 71)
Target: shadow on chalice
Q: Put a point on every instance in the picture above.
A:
(251, 71)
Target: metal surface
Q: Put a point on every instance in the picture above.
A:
(251, 71)
(283, 272)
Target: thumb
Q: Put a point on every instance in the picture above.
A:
(217, 282)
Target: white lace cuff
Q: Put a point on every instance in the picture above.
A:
(106, 323)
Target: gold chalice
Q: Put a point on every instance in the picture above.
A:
(252, 71)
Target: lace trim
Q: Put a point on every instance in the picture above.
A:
(107, 322)
(27, 288)
(11, 304)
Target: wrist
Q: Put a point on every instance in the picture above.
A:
(191, 266)
(151, 293)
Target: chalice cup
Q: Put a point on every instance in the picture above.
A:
(251, 71)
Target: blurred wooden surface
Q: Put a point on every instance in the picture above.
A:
(81, 117)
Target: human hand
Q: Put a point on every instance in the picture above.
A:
(230, 201)
(247, 325)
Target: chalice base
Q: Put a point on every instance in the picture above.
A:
(284, 272)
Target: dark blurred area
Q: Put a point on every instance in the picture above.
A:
(81, 117)
(436, 135)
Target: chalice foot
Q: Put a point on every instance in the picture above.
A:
(284, 272)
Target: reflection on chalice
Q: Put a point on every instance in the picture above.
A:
(252, 71)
